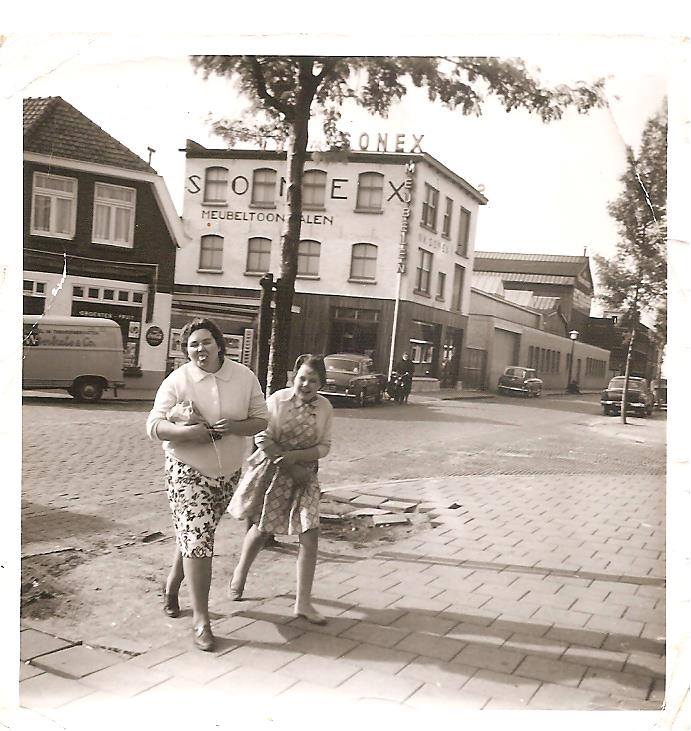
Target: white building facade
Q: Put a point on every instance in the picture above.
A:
(384, 259)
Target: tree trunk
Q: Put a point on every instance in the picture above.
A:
(627, 370)
(290, 236)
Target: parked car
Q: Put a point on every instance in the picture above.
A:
(659, 389)
(639, 399)
(352, 376)
(517, 379)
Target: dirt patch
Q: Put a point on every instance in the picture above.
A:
(44, 592)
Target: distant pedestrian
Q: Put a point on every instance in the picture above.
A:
(405, 367)
(203, 411)
(280, 493)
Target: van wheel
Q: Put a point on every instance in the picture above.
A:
(87, 389)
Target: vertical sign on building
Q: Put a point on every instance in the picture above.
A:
(405, 216)
(247, 342)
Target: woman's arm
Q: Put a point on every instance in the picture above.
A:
(257, 414)
(311, 454)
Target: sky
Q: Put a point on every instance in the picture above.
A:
(548, 185)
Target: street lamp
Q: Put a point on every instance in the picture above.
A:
(574, 336)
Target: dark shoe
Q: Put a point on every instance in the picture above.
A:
(203, 638)
(170, 605)
(235, 589)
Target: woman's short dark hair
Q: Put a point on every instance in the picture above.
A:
(313, 362)
(203, 323)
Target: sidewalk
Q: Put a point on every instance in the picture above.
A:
(522, 593)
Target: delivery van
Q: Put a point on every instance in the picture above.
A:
(83, 355)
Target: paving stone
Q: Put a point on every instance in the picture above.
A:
(261, 658)
(392, 519)
(563, 617)
(478, 634)
(264, 632)
(196, 666)
(157, 655)
(335, 624)
(384, 617)
(416, 622)
(322, 671)
(501, 686)
(431, 699)
(596, 657)
(34, 644)
(435, 672)
(372, 657)
(376, 634)
(554, 671)
(552, 697)
(367, 501)
(365, 512)
(313, 643)
(373, 684)
(27, 671)
(343, 496)
(371, 583)
(420, 604)
(533, 645)
(247, 683)
(428, 645)
(618, 626)
(646, 663)
(50, 691)
(125, 679)
(490, 658)
(368, 598)
(404, 505)
(77, 661)
(613, 683)
(589, 638)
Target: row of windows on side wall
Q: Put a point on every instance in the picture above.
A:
(54, 210)
(423, 280)
(363, 259)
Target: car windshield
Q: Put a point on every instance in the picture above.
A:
(518, 372)
(341, 364)
(618, 382)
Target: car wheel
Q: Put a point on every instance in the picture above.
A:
(538, 393)
(87, 389)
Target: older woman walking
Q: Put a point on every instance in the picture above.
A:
(203, 411)
(279, 493)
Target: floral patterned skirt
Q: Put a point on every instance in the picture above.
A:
(197, 503)
(270, 499)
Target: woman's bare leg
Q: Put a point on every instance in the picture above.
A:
(251, 545)
(198, 573)
(176, 574)
(306, 564)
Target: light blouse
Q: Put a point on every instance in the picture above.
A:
(279, 405)
(233, 392)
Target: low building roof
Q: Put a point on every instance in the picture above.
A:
(518, 263)
(54, 127)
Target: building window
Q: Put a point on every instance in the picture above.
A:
(441, 285)
(258, 255)
(211, 253)
(114, 208)
(446, 222)
(424, 272)
(429, 207)
(463, 232)
(216, 185)
(264, 188)
(558, 361)
(308, 258)
(530, 356)
(363, 264)
(458, 281)
(54, 206)
(313, 189)
(370, 192)
(138, 297)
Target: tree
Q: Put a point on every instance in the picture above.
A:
(285, 91)
(635, 280)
